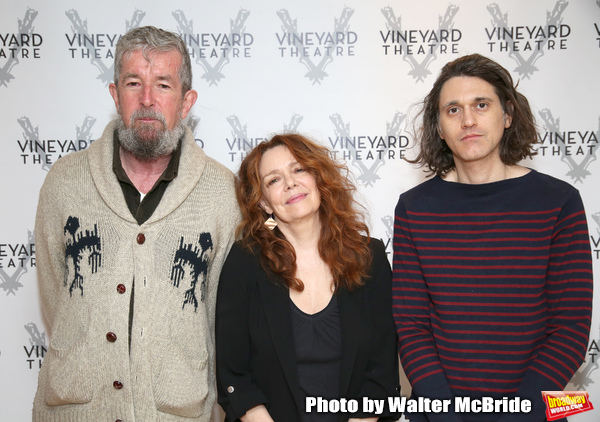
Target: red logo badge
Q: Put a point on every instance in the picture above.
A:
(560, 404)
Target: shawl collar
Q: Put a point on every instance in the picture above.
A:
(191, 166)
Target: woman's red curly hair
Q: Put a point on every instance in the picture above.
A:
(342, 245)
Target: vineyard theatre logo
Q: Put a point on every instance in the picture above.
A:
(582, 379)
(368, 152)
(213, 51)
(576, 148)
(526, 43)
(596, 239)
(240, 144)
(37, 348)
(388, 222)
(316, 49)
(98, 48)
(44, 152)
(22, 45)
(15, 260)
(420, 46)
(192, 123)
(597, 26)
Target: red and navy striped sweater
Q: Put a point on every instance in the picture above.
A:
(492, 289)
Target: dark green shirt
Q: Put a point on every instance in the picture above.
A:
(142, 210)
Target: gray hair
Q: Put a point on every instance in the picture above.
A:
(150, 39)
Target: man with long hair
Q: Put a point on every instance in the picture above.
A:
(492, 262)
(131, 235)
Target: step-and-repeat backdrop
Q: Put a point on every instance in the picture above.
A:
(347, 73)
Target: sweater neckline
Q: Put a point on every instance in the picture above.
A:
(499, 183)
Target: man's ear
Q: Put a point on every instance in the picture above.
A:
(508, 113)
(189, 99)
(114, 93)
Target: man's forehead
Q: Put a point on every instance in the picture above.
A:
(153, 56)
(466, 89)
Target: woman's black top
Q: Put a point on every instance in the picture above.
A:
(318, 343)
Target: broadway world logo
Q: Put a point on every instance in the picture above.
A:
(560, 404)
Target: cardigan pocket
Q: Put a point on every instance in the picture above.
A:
(67, 366)
(181, 384)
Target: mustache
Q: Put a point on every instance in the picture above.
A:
(147, 114)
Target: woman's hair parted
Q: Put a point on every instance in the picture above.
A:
(341, 244)
(518, 139)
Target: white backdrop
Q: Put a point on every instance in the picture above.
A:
(344, 72)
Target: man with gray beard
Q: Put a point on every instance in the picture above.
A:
(131, 235)
(152, 145)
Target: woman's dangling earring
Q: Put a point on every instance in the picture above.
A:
(271, 223)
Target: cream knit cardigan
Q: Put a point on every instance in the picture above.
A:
(89, 249)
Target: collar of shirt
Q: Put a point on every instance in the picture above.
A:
(143, 209)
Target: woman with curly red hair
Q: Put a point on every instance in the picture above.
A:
(304, 300)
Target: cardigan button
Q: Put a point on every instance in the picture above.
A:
(230, 389)
(141, 238)
(118, 385)
(121, 288)
(112, 337)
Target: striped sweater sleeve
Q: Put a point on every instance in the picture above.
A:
(569, 284)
